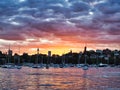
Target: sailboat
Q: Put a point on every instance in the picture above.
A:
(47, 65)
(36, 62)
(41, 63)
(116, 54)
(18, 66)
(5, 61)
(79, 65)
(8, 65)
(48, 60)
(62, 62)
(85, 67)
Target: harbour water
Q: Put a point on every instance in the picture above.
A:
(72, 78)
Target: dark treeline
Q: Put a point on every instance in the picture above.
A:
(105, 56)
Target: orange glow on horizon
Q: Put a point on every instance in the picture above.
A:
(60, 47)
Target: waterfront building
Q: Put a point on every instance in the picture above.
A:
(10, 52)
(49, 53)
(99, 51)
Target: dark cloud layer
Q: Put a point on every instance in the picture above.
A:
(98, 20)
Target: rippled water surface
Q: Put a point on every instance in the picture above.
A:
(107, 78)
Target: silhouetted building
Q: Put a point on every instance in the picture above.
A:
(37, 50)
(99, 51)
(49, 53)
(85, 49)
(9, 56)
(10, 53)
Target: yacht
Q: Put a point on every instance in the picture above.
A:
(85, 67)
(79, 65)
(8, 66)
(47, 66)
(36, 65)
(102, 65)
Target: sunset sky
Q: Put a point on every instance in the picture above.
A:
(59, 25)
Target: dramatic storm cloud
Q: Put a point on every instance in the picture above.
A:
(60, 23)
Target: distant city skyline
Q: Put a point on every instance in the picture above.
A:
(59, 25)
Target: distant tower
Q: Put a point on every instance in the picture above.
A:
(85, 55)
(49, 53)
(9, 54)
(85, 49)
(37, 56)
(49, 58)
(37, 50)
(71, 51)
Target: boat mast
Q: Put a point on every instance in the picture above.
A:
(85, 56)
